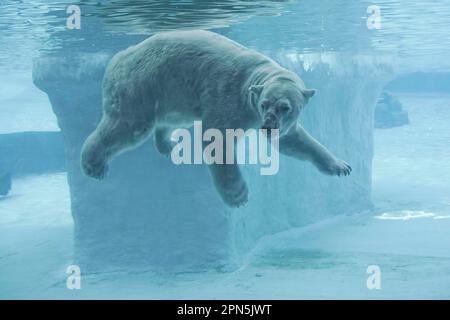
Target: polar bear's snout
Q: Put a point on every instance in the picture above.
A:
(270, 121)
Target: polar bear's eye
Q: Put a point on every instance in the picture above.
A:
(284, 107)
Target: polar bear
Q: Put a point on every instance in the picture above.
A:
(175, 78)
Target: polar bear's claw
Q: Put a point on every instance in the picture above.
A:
(342, 168)
(236, 197)
(98, 171)
(336, 168)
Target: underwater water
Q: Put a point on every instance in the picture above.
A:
(153, 230)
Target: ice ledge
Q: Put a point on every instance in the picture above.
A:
(152, 214)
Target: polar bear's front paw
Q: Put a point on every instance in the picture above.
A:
(96, 170)
(336, 168)
(236, 196)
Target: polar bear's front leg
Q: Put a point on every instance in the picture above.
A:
(111, 136)
(301, 145)
(230, 184)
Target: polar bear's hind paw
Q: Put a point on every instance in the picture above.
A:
(236, 197)
(342, 168)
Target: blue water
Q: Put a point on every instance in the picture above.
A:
(154, 231)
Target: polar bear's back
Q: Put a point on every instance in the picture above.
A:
(195, 44)
(186, 57)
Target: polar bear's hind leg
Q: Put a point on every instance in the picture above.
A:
(230, 184)
(114, 134)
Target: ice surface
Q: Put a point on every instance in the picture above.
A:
(19, 153)
(410, 173)
(26, 107)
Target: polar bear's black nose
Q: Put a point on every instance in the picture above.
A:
(268, 126)
(270, 122)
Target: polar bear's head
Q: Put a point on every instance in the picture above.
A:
(279, 102)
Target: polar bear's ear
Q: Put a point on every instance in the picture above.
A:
(256, 89)
(308, 93)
